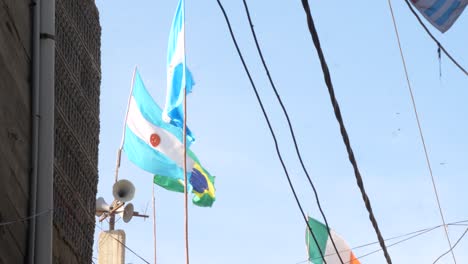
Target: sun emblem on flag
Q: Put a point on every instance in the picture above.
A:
(155, 140)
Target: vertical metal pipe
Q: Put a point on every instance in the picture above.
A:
(44, 224)
(35, 20)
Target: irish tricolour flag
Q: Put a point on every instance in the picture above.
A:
(149, 142)
(324, 245)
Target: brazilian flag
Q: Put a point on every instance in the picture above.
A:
(201, 183)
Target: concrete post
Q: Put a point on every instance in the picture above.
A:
(111, 247)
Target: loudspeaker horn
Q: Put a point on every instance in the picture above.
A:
(126, 213)
(123, 191)
(101, 206)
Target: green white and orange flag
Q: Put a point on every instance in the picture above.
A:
(326, 247)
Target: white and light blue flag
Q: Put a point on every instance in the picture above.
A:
(178, 76)
(441, 13)
(149, 142)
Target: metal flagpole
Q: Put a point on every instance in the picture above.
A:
(187, 258)
(154, 223)
(119, 151)
(185, 180)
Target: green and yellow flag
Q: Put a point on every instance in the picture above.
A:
(201, 182)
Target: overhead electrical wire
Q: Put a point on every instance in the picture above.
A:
(123, 244)
(398, 242)
(291, 130)
(451, 249)
(344, 133)
(439, 45)
(415, 233)
(270, 128)
(19, 220)
(421, 135)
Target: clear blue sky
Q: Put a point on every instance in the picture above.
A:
(255, 218)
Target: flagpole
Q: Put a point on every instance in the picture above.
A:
(119, 151)
(154, 223)
(187, 258)
(185, 180)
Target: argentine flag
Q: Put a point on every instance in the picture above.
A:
(178, 76)
(149, 142)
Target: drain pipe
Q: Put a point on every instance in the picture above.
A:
(40, 245)
(34, 126)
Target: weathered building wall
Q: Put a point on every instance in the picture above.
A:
(77, 82)
(15, 126)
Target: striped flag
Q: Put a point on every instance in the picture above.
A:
(441, 13)
(178, 75)
(326, 247)
(149, 142)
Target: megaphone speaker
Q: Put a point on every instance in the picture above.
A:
(126, 213)
(123, 191)
(101, 206)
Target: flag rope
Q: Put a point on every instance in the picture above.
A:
(428, 163)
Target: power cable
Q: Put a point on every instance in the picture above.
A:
(26, 218)
(136, 254)
(451, 249)
(440, 46)
(428, 163)
(396, 243)
(344, 133)
(418, 232)
(51, 210)
(270, 127)
(291, 130)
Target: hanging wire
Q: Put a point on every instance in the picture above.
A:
(270, 128)
(451, 249)
(344, 133)
(291, 130)
(26, 218)
(420, 128)
(398, 242)
(131, 250)
(440, 46)
(418, 232)
(52, 210)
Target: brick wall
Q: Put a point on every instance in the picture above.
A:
(77, 82)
